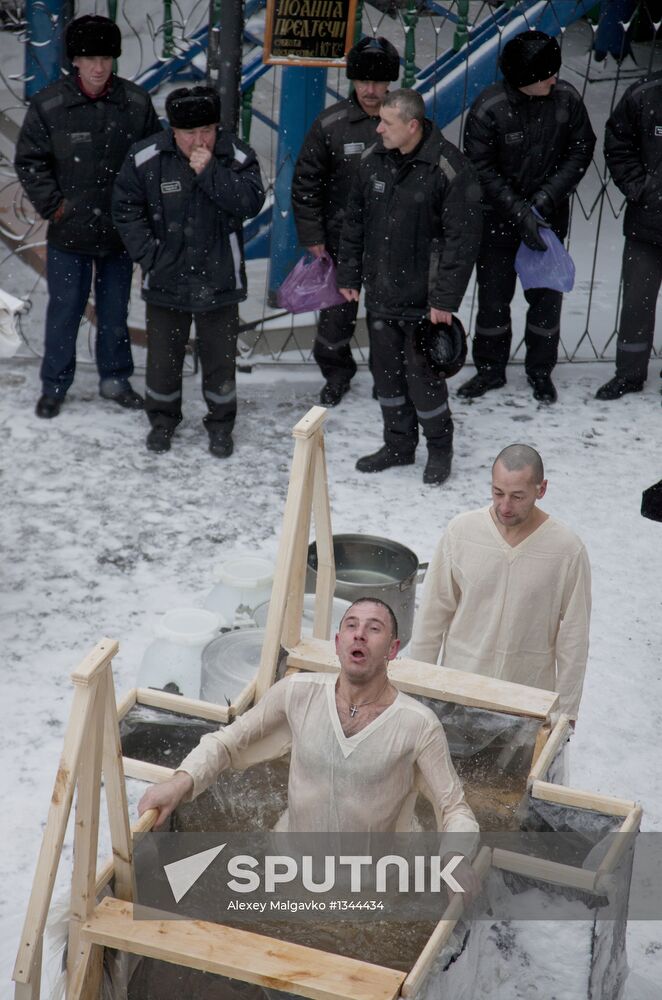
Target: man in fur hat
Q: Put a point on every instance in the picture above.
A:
(531, 142)
(73, 141)
(179, 203)
(323, 177)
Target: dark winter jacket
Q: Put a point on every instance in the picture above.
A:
(70, 148)
(412, 229)
(523, 145)
(325, 169)
(633, 151)
(183, 228)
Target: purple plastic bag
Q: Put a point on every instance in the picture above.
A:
(553, 268)
(310, 285)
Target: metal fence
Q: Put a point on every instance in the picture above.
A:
(449, 53)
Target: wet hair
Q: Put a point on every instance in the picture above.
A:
(516, 457)
(382, 604)
(408, 103)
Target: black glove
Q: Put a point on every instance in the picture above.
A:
(528, 225)
(543, 204)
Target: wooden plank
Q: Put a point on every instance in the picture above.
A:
(144, 771)
(416, 677)
(243, 700)
(56, 825)
(548, 753)
(96, 661)
(242, 955)
(126, 704)
(184, 706)
(294, 511)
(86, 828)
(326, 566)
(31, 990)
(563, 796)
(85, 983)
(115, 789)
(621, 840)
(104, 875)
(291, 631)
(543, 870)
(442, 931)
(541, 740)
(310, 424)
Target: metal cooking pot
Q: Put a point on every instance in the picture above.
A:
(368, 566)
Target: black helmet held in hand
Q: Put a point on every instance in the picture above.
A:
(373, 59)
(443, 347)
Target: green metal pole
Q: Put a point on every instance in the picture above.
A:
(358, 22)
(168, 38)
(247, 113)
(411, 19)
(461, 36)
(112, 14)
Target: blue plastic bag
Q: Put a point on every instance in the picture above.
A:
(552, 268)
(310, 285)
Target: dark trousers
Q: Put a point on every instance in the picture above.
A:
(642, 276)
(495, 272)
(407, 391)
(332, 350)
(167, 336)
(69, 277)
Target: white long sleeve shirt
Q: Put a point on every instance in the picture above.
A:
(362, 783)
(517, 613)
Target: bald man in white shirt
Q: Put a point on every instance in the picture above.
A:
(508, 591)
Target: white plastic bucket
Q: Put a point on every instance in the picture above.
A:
(229, 663)
(338, 609)
(242, 583)
(174, 656)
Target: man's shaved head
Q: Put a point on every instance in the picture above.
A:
(516, 457)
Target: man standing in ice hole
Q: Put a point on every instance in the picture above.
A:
(508, 591)
(359, 747)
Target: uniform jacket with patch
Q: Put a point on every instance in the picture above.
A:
(325, 169)
(412, 230)
(71, 148)
(633, 151)
(521, 145)
(183, 228)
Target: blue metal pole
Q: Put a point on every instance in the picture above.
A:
(43, 52)
(302, 95)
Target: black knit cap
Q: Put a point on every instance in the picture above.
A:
(192, 107)
(529, 58)
(373, 59)
(93, 35)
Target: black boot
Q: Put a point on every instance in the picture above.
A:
(158, 440)
(220, 442)
(544, 389)
(617, 387)
(48, 407)
(481, 383)
(384, 459)
(333, 392)
(438, 467)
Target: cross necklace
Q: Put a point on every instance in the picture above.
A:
(353, 709)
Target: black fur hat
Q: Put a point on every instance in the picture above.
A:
(373, 59)
(93, 35)
(193, 107)
(529, 58)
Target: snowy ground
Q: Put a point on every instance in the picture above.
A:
(101, 536)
